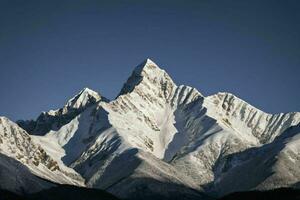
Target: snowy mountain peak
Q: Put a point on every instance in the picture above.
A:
(146, 65)
(148, 60)
(150, 75)
(84, 97)
(54, 119)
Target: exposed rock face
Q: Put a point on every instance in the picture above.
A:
(244, 117)
(31, 158)
(17, 143)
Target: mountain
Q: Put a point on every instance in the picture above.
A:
(160, 140)
(54, 119)
(24, 162)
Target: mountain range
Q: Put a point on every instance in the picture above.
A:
(156, 139)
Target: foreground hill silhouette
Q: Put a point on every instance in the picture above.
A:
(278, 194)
(66, 192)
(62, 192)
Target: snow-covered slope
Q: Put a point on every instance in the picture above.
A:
(71, 140)
(231, 126)
(274, 165)
(157, 134)
(17, 144)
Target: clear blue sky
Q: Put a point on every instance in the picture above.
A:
(49, 50)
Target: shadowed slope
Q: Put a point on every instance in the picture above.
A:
(278, 194)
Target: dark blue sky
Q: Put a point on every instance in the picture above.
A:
(49, 50)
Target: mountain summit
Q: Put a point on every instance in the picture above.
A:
(149, 74)
(83, 99)
(161, 140)
(54, 119)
